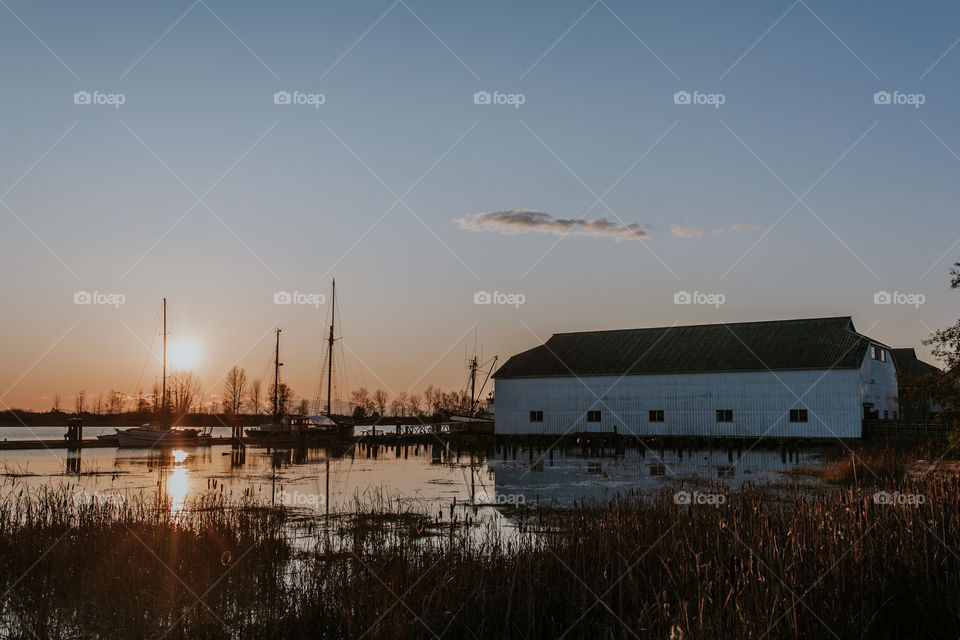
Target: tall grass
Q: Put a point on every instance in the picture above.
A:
(762, 565)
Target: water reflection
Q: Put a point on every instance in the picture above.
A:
(178, 482)
(431, 475)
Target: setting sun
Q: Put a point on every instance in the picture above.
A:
(184, 354)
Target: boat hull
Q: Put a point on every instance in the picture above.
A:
(140, 437)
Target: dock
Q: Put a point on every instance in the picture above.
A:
(61, 443)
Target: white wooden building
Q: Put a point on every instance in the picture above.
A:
(807, 378)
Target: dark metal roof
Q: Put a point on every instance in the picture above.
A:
(815, 343)
(909, 365)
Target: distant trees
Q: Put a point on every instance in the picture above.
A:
(944, 388)
(80, 401)
(432, 401)
(380, 399)
(280, 401)
(254, 396)
(141, 404)
(362, 402)
(155, 396)
(55, 405)
(184, 389)
(303, 408)
(234, 389)
(115, 402)
(415, 404)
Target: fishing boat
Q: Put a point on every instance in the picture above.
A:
(162, 434)
(477, 419)
(299, 428)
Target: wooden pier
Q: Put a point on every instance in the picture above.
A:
(62, 443)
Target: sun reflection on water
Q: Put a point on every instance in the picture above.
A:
(178, 483)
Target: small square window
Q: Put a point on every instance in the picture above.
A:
(879, 353)
(656, 415)
(593, 416)
(536, 416)
(724, 415)
(798, 415)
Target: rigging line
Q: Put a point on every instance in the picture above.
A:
(153, 341)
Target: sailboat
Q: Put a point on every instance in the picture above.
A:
(296, 428)
(161, 434)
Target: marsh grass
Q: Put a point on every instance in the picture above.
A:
(785, 564)
(877, 462)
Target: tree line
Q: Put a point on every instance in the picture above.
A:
(245, 396)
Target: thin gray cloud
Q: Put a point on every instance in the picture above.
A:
(685, 232)
(514, 221)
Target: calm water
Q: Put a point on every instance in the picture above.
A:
(429, 476)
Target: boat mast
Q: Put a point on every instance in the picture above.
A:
(276, 378)
(333, 315)
(163, 385)
(473, 382)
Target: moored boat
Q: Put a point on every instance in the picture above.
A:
(162, 434)
(149, 435)
(299, 428)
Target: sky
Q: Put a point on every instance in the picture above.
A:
(589, 163)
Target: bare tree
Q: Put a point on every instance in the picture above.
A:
(184, 390)
(380, 399)
(415, 403)
(80, 401)
(98, 407)
(155, 394)
(55, 408)
(254, 396)
(944, 387)
(304, 407)
(360, 398)
(234, 388)
(115, 402)
(402, 402)
(433, 397)
(141, 403)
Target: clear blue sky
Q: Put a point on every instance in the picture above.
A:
(293, 195)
